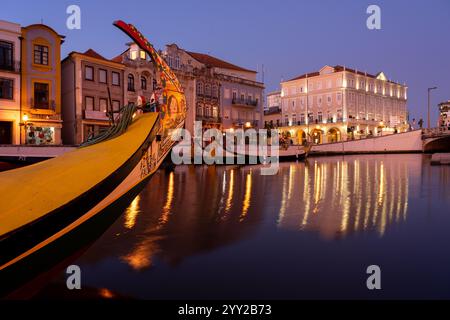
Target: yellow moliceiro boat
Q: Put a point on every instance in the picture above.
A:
(43, 202)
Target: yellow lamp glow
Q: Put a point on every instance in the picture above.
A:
(25, 117)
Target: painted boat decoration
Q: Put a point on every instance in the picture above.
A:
(44, 202)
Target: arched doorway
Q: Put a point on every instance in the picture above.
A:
(301, 137)
(316, 136)
(333, 135)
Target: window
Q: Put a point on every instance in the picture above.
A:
(143, 55)
(302, 118)
(6, 55)
(242, 96)
(41, 94)
(199, 110)
(143, 83)
(116, 105)
(102, 76)
(89, 103)
(319, 116)
(89, 73)
(215, 112)
(234, 95)
(200, 88)
(115, 78)
(6, 88)
(215, 91)
(130, 82)
(339, 97)
(294, 119)
(133, 54)
(41, 54)
(103, 105)
(286, 120)
(208, 90)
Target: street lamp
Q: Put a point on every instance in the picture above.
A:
(428, 120)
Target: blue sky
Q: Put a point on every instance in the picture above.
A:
(288, 37)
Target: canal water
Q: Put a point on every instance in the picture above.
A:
(310, 231)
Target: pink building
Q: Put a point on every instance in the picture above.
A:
(338, 103)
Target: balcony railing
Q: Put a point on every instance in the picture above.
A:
(95, 115)
(244, 123)
(13, 66)
(45, 117)
(245, 102)
(208, 118)
(49, 105)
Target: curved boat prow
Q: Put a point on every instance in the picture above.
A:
(43, 202)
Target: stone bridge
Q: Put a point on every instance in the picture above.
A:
(436, 140)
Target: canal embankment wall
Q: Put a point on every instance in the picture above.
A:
(394, 143)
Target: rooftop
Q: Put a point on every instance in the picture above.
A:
(94, 54)
(216, 62)
(339, 68)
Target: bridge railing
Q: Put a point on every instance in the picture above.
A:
(435, 132)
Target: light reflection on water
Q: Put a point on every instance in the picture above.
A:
(336, 198)
(227, 232)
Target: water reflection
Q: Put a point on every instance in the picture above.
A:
(207, 232)
(344, 196)
(199, 208)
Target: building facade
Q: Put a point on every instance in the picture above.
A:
(272, 112)
(139, 75)
(218, 93)
(92, 88)
(41, 85)
(444, 114)
(10, 118)
(338, 103)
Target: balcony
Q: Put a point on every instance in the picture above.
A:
(245, 123)
(48, 107)
(13, 66)
(95, 115)
(46, 117)
(209, 119)
(244, 102)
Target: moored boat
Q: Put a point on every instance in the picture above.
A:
(42, 203)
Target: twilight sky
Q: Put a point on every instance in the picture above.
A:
(288, 37)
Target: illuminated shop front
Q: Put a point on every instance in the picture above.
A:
(36, 135)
